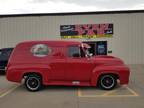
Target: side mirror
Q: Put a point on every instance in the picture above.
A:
(91, 54)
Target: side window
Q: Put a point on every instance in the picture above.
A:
(40, 50)
(73, 51)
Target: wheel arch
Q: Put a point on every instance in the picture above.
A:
(96, 76)
(113, 74)
(30, 73)
(25, 74)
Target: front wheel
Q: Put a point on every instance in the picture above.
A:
(107, 82)
(33, 82)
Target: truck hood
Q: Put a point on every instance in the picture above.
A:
(107, 60)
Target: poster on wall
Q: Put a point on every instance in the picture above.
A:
(86, 31)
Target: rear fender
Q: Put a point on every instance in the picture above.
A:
(16, 72)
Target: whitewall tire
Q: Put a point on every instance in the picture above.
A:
(107, 82)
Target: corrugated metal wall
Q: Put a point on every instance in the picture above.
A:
(127, 42)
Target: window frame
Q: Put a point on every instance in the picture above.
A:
(73, 56)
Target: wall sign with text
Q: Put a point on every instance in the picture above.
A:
(86, 31)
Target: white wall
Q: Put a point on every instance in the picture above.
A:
(127, 42)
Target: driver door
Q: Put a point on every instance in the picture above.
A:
(79, 68)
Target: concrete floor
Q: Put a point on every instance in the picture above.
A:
(131, 96)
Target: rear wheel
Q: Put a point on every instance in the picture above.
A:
(107, 82)
(33, 82)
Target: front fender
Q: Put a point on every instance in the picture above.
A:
(121, 71)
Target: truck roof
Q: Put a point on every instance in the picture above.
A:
(52, 42)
